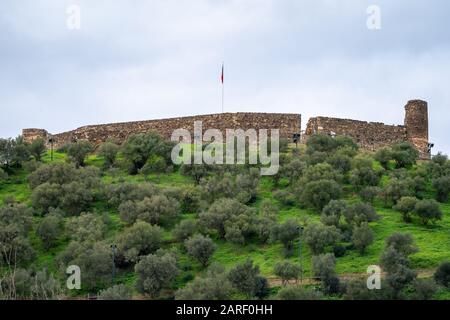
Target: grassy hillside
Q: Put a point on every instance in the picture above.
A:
(432, 240)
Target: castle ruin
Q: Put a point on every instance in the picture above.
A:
(369, 135)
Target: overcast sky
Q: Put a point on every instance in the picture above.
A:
(138, 60)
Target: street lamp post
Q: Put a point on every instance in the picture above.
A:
(51, 141)
(113, 249)
(300, 233)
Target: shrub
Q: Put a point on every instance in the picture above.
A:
(245, 278)
(50, 229)
(108, 151)
(155, 272)
(332, 212)
(138, 240)
(138, 148)
(360, 212)
(3, 175)
(54, 173)
(218, 187)
(219, 216)
(383, 156)
(284, 197)
(196, 171)
(368, 194)
(404, 154)
(201, 248)
(297, 293)
(125, 191)
(320, 143)
(323, 266)
(78, 151)
(394, 190)
(157, 209)
(442, 274)
(155, 164)
(213, 286)
(117, 292)
(402, 242)
(18, 215)
(318, 194)
(321, 171)
(13, 152)
(75, 198)
(94, 260)
(87, 227)
(357, 290)
(424, 289)
(362, 237)
(318, 237)
(46, 196)
(340, 162)
(287, 271)
(428, 210)
(286, 233)
(293, 170)
(37, 148)
(442, 186)
(184, 230)
(14, 246)
(406, 206)
(364, 177)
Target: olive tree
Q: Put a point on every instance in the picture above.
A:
(228, 217)
(108, 151)
(140, 239)
(442, 274)
(287, 271)
(318, 237)
(362, 237)
(245, 277)
(406, 206)
(442, 186)
(50, 229)
(286, 233)
(155, 272)
(298, 293)
(317, 194)
(184, 230)
(117, 292)
(201, 248)
(94, 260)
(428, 210)
(213, 286)
(37, 148)
(78, 151)
(157, 209)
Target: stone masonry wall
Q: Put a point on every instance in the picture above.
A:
(288, 124)
(369, 135)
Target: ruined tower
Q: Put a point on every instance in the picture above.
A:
(416, 125)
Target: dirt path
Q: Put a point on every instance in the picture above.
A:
(276, 282)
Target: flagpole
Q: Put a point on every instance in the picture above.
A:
(223, 85)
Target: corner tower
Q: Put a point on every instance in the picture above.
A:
(416, 125)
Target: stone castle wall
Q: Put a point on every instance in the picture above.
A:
(288, 124)
(374, 135)
(369, 135)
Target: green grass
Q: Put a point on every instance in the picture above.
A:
(433, 241)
